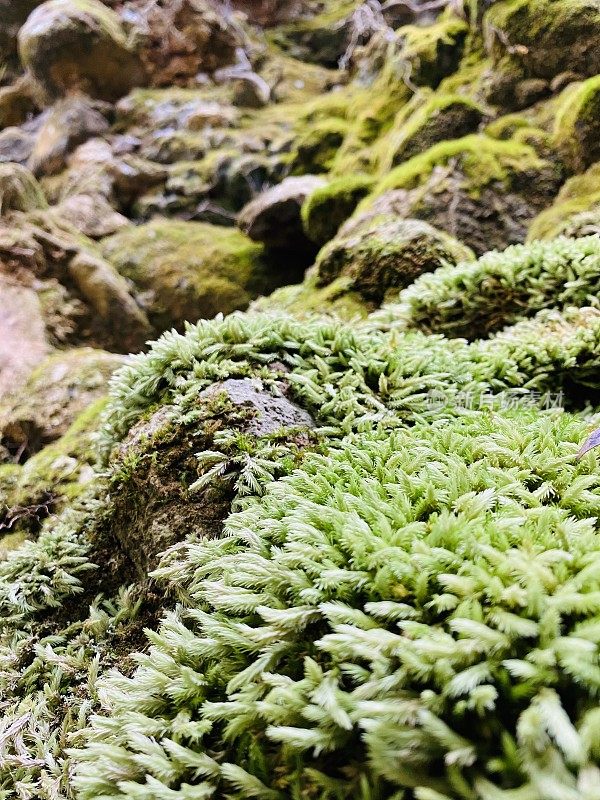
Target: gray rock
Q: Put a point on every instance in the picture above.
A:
(90, 214)
(269, 413)
(69, 123)
(274, 216)
(15, 145)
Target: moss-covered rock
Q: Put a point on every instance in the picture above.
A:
(19, 190)
(183, 271)
(438, 118)
(577, 125)
(545, 37)
(322, 38)
(431, 53)
(81, 298)
(56, 476)
(379, 251)
(79, 44)
(327, 208)
(309, 298)
(576, 206)
(500, 288)
(480, 189)
(315, 151)
(162, 490)
(56, 392)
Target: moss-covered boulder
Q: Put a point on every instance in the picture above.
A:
(311, 298)
(57, 476)
(183, 271)
(315, 151)
(320, 38)
(576, 207)
(379, 251)
(79, 44)
(162, 488)
(500, 288)
(441, 117)
(482, 190)
(545, 37)
(329, 206)
(90, 214)
(426, 55)
(577, 125)
(56, 392)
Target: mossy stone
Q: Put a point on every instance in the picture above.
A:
(577, 125)
(327, 208)
(432, 52)
(79, 44)
(545, 37)
(439, 118)
(19, 190)
(314, 152)
(576, 207)
(379, 251)
(483, 190)
(189, 270)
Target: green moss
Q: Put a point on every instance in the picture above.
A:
(468, 78)
(56, 392)
(506, 126)
(545, 33)
(57, 475)
(501, 288)
(338, 298)
(190, 270)
(327, 208)
(315, 151)
(432, 52)
(371, 112)
(380, 252)
(579, 195)
(400, 567)
(483, 160)
(439, 118)
(577, 125)
(321, 38)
